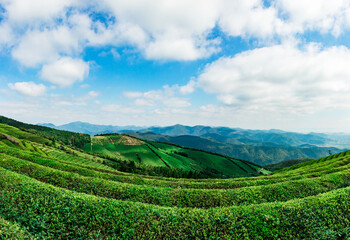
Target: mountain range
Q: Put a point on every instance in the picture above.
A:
(261, 153)
(91, 129)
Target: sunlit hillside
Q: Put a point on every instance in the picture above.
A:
(50, 190)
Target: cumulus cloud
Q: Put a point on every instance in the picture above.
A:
(178, 30)
(28, 88)
(319, 15)
(188, 88)
(39, 47)
(65, 71)
(281, 78)
(250, 19)
(35, 11)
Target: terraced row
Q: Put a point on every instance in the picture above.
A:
(202, 198)
(52, 212)
(135, 179)
(183, 183)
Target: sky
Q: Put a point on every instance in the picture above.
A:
(252, 64)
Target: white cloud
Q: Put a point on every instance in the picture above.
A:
(28, 88)
(64, 103)
(210, 108)
(39, 47)
(130, 34)
(115, 54)
(281, 78)
(167, 96)
(188, 88)
(319, 15)
(176, 31)
(65, 71)
(93, 94)
(176, 102)
(35, 11)
(181, 49)
(132, 95)
(143, 102)
(284, 18)
(87, 97)
(6, 35)
(249, 19)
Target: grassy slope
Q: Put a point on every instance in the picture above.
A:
(75, 139)
(166, 155)
(284, 164)
(67, 194)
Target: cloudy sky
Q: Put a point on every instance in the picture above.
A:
(238, 63)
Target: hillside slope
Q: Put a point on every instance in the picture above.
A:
(285, 164)
(71, 138)
(155, 154)
(53, 191)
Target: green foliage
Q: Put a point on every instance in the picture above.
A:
(57, 213)
(168, 160)
(9, 230)
(284, 164)
(179, 197)
(70, 138)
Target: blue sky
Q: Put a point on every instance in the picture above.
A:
(250, 64)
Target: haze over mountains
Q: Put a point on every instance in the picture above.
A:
(260, 146)
(91, 129)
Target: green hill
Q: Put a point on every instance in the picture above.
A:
(49, 190)
(284, 164)
(126, 148)
(75, 139)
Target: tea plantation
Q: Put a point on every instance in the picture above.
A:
(163, 156)
(49, 190)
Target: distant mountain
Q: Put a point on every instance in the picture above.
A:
(91, 129)
(273, 137)
(50, 125)
(239, 136)
(262, 155)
